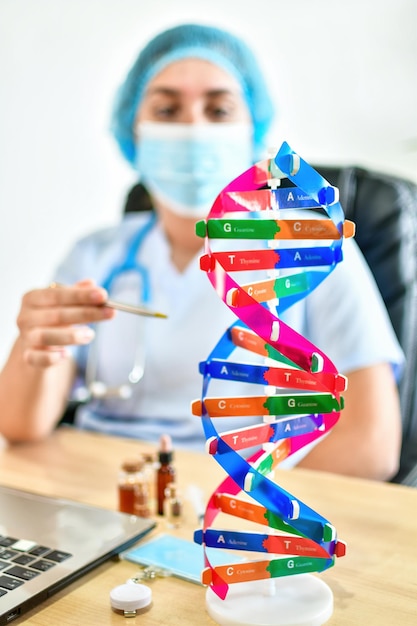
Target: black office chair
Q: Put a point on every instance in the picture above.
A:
(384, 209)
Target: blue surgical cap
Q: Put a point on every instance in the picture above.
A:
(192, 41)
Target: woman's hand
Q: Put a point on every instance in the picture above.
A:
(58, 316)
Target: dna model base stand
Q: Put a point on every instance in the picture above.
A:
(296, 396)
(302, 600)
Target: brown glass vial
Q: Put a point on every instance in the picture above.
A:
(166, 471)
(133, 489)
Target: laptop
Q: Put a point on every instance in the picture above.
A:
(46, 543)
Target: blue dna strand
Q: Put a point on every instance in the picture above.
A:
(266, 247)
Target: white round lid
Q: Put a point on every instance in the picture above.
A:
(130, 597)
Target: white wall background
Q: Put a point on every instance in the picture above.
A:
(344, 74)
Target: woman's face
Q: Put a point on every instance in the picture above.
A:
(193, 91)
(185, 167)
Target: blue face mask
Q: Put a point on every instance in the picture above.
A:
(185, 166)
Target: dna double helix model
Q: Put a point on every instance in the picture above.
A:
(293, 236)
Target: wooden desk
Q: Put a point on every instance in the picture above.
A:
(374, 584)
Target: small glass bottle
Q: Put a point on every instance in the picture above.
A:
(132, 489)
(141, 493)
(166, 471)
(173, 506)
(149, 469)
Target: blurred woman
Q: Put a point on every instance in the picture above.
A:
(193, 113)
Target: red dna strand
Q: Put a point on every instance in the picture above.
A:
(266, 247)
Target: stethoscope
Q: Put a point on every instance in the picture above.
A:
(130, 262)
(95, 389)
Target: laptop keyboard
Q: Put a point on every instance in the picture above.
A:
(21, 560)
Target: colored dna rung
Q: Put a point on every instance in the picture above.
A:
(293, 236)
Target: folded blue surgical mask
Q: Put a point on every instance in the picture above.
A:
(186, 166)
